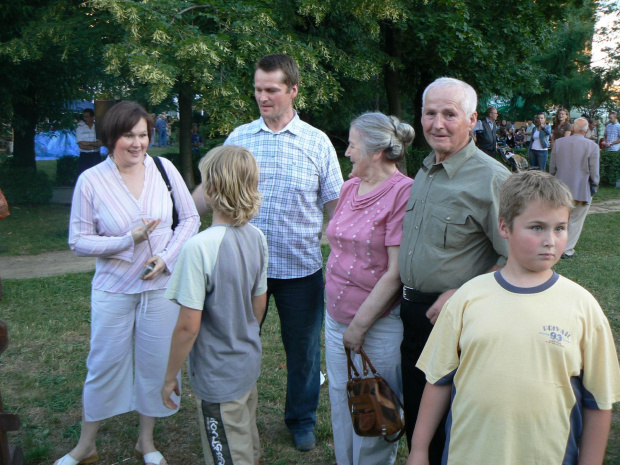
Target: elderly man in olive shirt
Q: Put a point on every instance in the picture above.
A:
(450, 231)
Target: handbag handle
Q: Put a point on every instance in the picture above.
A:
(350, 366)
(366, 363)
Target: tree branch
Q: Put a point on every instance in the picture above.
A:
(185, 10)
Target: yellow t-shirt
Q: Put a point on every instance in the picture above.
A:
(522, 363)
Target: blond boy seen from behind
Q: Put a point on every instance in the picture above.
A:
(220, 281)
(523, 357)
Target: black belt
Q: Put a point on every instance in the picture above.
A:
(412, 295)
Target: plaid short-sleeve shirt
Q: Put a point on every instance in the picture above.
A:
(299, 173)
(612, 131)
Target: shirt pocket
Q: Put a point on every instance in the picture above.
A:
(408, 222)
(298, 176)
(449, 228)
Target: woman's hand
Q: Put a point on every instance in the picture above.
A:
(167, 390)
(159, 267)
(353, 337)
(139, 233)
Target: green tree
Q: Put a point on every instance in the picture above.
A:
(49, 54)
(567, 78)
(203, 52)
(487, 43)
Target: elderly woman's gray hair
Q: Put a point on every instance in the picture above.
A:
(386, 134)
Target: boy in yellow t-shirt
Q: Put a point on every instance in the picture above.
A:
(523, 357)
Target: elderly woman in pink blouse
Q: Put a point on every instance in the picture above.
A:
(122, 214)
(362, 279)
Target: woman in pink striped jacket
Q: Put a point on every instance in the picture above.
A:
(122, 214)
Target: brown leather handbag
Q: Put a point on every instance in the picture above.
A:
(4, 207)
(375, 410)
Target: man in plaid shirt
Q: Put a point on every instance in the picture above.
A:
(612, 133)
(299, 175)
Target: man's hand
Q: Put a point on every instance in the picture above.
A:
(433, 312)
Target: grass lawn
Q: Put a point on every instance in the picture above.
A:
(34, 229)
(49, 168)
(606, 193)
(44, 367)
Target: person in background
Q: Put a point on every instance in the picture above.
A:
(485, 132)
(86, 138)
(196, 140)
(529, 129)
(612, 134)
(122, 214)
(363, 307)
(520, 138)
(592, 132)
(510, 138)
(502, 132)
(169, 131)
(575, 161)
(561, 126)
(540, 143)
(220, 282)
(162, 131)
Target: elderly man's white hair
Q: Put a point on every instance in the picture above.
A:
(581, 125)
(468, 103)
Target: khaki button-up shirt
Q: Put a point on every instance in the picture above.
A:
(450, 231)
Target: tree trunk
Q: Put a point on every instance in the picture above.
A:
(24, 123)
(185, 138)
(391, 76)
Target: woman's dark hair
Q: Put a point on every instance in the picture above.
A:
(121, 118)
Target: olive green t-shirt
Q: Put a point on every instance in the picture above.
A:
(450, 231)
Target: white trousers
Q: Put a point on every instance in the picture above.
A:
(382, 345)
(575, 225)
(125, 327)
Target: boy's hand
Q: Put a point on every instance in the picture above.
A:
(418, 457)
(433, 312)
(167, 390)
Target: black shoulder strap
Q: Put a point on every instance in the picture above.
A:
(164, 175)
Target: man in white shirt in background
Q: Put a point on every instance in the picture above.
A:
(87, 141)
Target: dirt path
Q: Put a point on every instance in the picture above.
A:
(59, 263)
(605, 207)
(43, 265)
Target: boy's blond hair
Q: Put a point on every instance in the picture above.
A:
(523, 188)
(230, 179)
